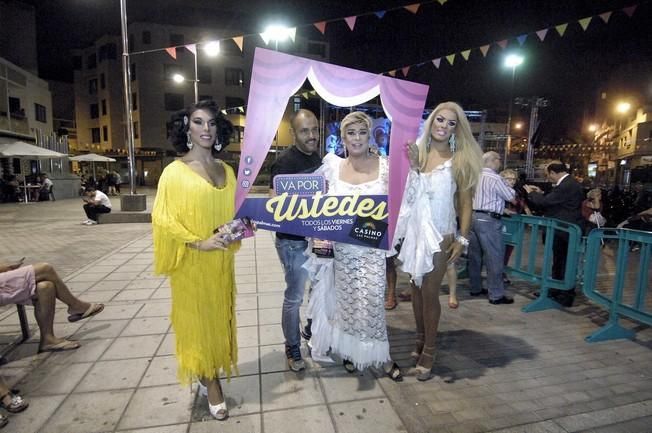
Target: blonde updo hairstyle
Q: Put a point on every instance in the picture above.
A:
(353, 118)
(467, 160)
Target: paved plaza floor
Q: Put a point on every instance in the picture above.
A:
(497, 370)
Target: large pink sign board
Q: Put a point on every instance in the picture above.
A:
(277, 76)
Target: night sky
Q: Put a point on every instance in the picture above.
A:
(570, 71)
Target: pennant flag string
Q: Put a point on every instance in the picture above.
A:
(541, 34)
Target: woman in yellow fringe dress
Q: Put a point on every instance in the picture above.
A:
(196, 195)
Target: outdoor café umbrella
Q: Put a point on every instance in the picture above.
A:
(22, 150)
(93, 158)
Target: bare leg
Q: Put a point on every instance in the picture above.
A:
(215, 395)
(44, 302)
(390, 299)
(451, 277)
(46, 273)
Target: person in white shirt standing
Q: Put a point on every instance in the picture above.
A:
(486, 237)
(96, 203)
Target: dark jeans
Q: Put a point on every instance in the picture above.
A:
(92, 210)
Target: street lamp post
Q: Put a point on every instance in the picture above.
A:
(126, 81)
(511, 61)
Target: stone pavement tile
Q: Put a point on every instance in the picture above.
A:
(61, 329)
(167, 346)
(242, 396)
(89, 276)
(247, 287)
(272, 358)
(247, 336)
(470, 413)
(270, 301)
(288, 389)
(233, 424)
(55, 379)
(538, 427)
(639, 425)
(79, 286)
(366, 416)
(162, 293)
(112, 312)
(177, 428)
(25, 355)
(155, 309)
(267, 286)
(314, 419)
(108, 375)
(251, 278)
(494, 423)
(271, 334)
(134, 295)
(162, 370)
(133, 347)
(340, 385)
(132, 267)
(99, 296)
(122, 276)
(246, 302)
(100, 329)
(145, 284)
(103, 268)
(109, 285)
(604, 417)
(157, 406)
(248, 361)
(146, 326)
(246, 318)
(269, 316)
(40, 410)
(90, 351)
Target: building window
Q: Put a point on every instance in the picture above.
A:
(132, 71)
(95, 112)
(105, 133)
(103, 107)
(111, 51)
(173, 101)
(91, 61)
(102, 81)
(234, 77)
(204, 74)
(136, 133)
(147, 37)
(134, 101)
(92, 86)
(102, 55)
(40, 113)
(95, 135)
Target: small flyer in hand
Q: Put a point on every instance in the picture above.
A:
(237, 229)
(322, 248)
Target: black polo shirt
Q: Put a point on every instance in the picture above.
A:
(293, 161)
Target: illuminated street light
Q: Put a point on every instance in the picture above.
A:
(178, 78)
(511, 61)
(276, 33)
(212, 49)
(623, 107)
(518, 125)
(593, 127)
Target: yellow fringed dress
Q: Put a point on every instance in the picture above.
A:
(187, 209)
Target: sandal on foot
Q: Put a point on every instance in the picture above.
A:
(219, 411)
(348, 366)
(60, 346)
(394, 373)
(16, 405)
(453, 304)
(91, 311)
(390, 304)
(3, 421)
(423, 373)
(405, 297)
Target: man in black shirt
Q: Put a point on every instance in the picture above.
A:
(302, 157)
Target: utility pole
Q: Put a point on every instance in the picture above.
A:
(535, 103)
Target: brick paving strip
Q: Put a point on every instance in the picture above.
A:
(497, 369)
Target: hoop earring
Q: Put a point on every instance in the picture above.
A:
(217, 146)
(189, 142)
(452, 143)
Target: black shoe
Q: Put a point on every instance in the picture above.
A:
(481, 292)
(501, 300)
(306, 332)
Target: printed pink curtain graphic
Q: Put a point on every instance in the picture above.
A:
(277, 76)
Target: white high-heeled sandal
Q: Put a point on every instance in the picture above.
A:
(218, 411)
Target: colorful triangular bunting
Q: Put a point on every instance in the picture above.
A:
(321, 26)
(502, 44)
(436, 62)
(350, 21)
(238, 41)
(465, 54)
(605, 16)
(521, 39)
(405, 71)
(450, 58)
(584, 22)
(561, 29)
(380, 14)
(629, 11)
(392, 73)
(172, 52)
(542, 34)
(441, 2)
(292, 33)
(414, 7)
(484, 49)
(192, 48)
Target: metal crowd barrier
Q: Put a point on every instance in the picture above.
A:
(530, 236)
(634, 306)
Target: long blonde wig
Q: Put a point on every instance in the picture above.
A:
(467, 160)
